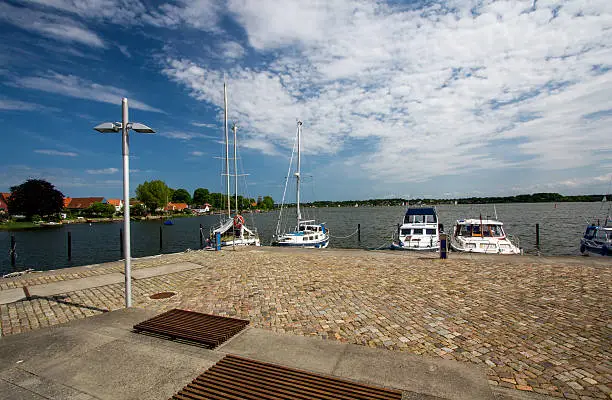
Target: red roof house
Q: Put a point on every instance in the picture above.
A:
(81, 203)
(176, 206)
(4, 202)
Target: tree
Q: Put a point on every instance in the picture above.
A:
(98, 209)
(201, 196)
(181, 196)
(267, 203)
(154, 194)
(35, 197)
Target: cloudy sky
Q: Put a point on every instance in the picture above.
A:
(422, 98)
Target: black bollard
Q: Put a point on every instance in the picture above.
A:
(538, 235)
(121, 242)
(69, 246)
(359, 232)
(161, 239)
(443, 246)
(201, 238)
(12, 251)
(398, 231)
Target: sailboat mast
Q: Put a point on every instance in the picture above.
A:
(297, 174)
(227, 171)
(234, 128)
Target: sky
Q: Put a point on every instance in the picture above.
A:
(413, 99)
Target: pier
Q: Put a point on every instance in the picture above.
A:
(531, 324)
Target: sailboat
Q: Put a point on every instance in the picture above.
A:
(307, 233)
(232, 230)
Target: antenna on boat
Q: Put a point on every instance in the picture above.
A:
(495, 209)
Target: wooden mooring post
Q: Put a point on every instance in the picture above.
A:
(537, 235)
(121, 242)
(13, 251)
(69, 246)
(161, 239)
(359, 232)
(201, 237)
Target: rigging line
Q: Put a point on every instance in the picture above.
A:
(280, 213)
(345, 237)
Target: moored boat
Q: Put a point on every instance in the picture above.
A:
(420, 230)
(232, 230)
(482, 236)
(307, 233)
(597, 239)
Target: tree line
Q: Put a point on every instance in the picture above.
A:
(156, 194)
(38, 199)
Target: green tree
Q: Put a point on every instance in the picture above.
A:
(181, 196)
(201, 196)
(154, 194)
(267, 203)
(98, 209)
(35, 196)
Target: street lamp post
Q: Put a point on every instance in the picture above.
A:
(124, 126)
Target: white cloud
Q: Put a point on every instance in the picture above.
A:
(73, 86)
(56, 153)
(232, 50)
(198, 14)
(182, 135)
(16, 105)
(204, 125)
(116, 11)
(50, 25)
(196, 153)
(446, 88)
(103, 171)
(124, 50)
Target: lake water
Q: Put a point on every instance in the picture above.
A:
(561, 227)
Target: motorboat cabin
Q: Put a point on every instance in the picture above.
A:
(419, 230)
(597, 240)
(308, 234)
(482, 236)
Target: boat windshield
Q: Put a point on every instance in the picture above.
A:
(419, 219)
(480, 230)
(603, 235)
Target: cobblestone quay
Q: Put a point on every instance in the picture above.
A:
(536, 324)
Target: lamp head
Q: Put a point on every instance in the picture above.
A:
(141, 128)
(109, 127)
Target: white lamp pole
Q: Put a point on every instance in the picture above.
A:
(126, 202)
(124, 127)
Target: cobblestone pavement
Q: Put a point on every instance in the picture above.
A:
(536, 326)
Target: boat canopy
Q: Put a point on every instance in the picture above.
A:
(477, 221)
(228, 225)
(421, 215)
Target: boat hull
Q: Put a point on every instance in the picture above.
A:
(486, 248)
(589, 247)
(304, 245)
(400, 246)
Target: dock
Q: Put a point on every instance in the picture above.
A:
(533, 327)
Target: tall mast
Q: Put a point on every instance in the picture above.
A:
(297, 174)
(234, 127)
(227, 171)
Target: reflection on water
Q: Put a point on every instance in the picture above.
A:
(561, 227)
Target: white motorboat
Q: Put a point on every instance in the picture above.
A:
(232, 229)
(420, 230)
(307, 233)
(482, 236)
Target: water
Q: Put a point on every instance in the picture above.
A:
(561, 227)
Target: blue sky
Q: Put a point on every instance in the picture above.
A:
(428, 98)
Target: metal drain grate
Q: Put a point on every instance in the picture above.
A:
(209, 330)
(241, 378)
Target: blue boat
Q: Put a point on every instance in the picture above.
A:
(168, 222)
(597, 239)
